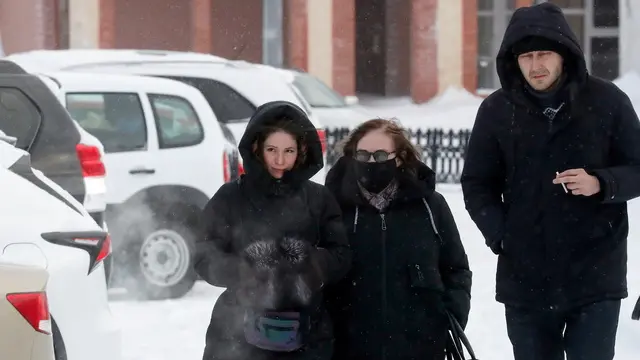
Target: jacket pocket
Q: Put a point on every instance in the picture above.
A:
(426, 278)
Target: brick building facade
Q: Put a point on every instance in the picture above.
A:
(386, 47)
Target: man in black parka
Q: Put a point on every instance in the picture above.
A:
(562, 254)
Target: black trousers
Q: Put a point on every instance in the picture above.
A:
(583, 333)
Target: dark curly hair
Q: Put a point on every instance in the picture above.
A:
(288, 126)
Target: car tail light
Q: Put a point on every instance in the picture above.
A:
(34, 308)
(90, 160)
(226, 167)
(323, 139)
(96, 243)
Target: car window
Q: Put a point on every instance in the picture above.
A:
(116, 119)
(19, 116)
(176, 120)
(228, 105)
(317, 93)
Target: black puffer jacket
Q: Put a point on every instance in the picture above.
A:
(556, 250)
(249, 224)
(391, 304)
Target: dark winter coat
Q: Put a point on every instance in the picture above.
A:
(392, 303)
(253, 223)
(556, 250)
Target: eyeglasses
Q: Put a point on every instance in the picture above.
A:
(378, 155)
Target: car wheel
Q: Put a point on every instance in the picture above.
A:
(159, 262)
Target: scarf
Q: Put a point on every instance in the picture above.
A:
(382, 199)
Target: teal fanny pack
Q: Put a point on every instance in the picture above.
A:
(275, 330)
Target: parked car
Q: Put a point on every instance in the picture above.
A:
(25, 329)
(67, 59)
(331, 108)
(95, 200)
(65, 153)
(233, 89)
(54, 227)
(166, 155)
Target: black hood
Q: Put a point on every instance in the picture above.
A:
(544, 20)
(267, 114)
(342, 181)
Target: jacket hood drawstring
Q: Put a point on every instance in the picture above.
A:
(426, 205)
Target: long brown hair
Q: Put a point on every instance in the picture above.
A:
(405, 150)
(285, 125)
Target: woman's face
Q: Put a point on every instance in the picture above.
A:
(280, 153)
(375, 146)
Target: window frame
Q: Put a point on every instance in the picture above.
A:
(499, 15)
(162, 145)
(102, 93)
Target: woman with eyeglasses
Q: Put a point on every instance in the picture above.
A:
(409, 266)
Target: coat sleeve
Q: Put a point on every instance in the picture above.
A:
(333, 251)
(483, 178)
(454, 264)
(215, 260)
(621, 181)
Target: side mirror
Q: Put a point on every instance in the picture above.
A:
(351, 100)
(8, 139)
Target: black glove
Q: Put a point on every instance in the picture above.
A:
(458, 303)
(279, 274)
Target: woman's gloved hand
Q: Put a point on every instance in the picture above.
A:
(279, 274)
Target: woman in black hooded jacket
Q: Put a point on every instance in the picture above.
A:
(409, 266)
(273, 239)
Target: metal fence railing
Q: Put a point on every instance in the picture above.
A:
(442, 150)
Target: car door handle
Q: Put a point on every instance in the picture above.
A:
(137, 171)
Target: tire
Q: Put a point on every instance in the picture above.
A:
(158, 262)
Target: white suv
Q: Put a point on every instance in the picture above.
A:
(233, 89)
(43, 224)
(165, 155)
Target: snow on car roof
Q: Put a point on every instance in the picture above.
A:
(51, 60)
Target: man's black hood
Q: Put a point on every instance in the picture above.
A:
(544, 20)
(268, 114)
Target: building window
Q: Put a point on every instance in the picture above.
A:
(596, 24)
(493, 18)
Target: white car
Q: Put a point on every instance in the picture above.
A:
(59, 148)
(233, 89)
(166, 154)
(25, 329)
(55, 227)
(331, 108)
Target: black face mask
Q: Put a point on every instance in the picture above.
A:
(375, 176)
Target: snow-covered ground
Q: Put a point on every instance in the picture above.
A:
(175, 329)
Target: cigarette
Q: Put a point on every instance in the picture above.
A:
(563, 185)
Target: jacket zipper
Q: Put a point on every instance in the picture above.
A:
(384, 281)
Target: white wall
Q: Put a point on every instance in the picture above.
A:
(449, 25)
(629, 36)
(84, 23)
(320, 39)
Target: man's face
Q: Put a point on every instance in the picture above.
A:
(541, 69)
